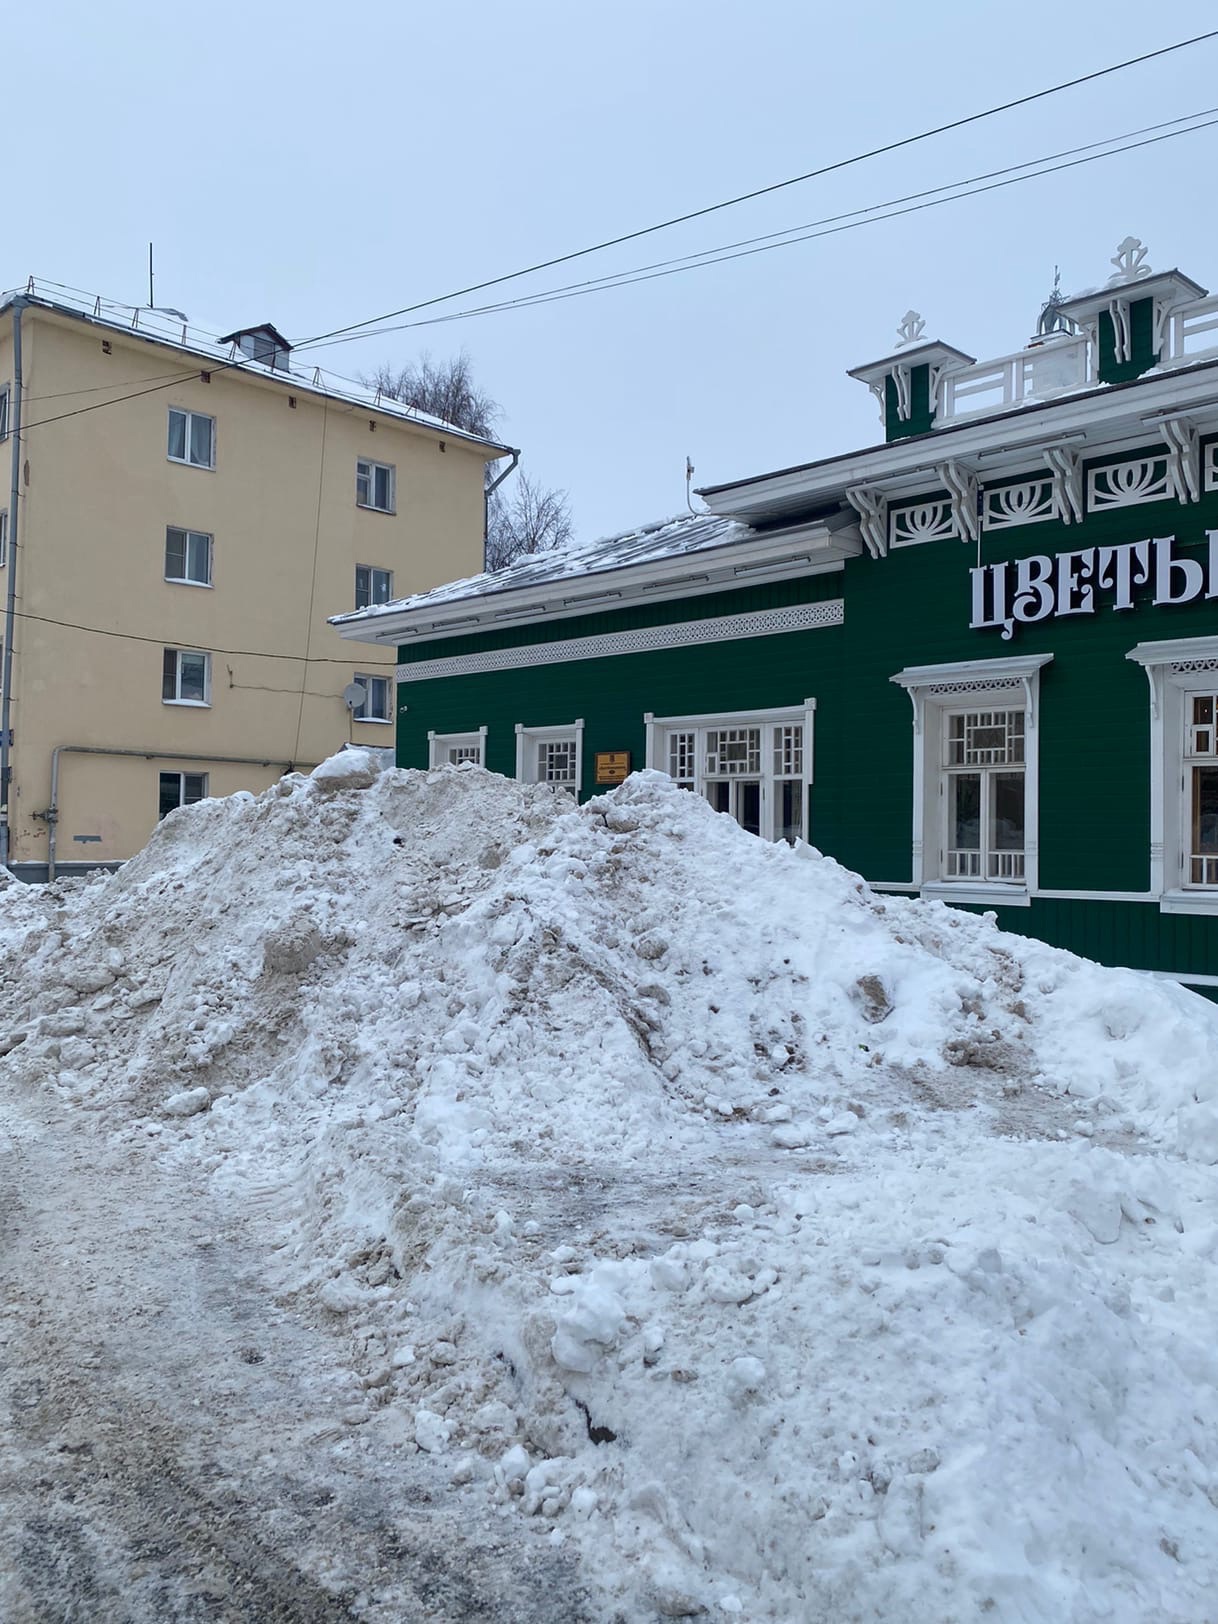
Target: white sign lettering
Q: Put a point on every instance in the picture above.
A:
(1043, 587)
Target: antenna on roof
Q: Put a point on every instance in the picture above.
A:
(689, 474)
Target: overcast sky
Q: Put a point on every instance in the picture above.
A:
(314, 165)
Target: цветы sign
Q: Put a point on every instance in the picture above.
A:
(1039, 588)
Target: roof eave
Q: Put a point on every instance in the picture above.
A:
(747, 499)
(254, 369)
(803, 549)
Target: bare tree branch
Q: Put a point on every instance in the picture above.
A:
(443, 389)
(531, 520)
(521, 517)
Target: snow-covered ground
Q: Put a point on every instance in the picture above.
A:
(736, 1241)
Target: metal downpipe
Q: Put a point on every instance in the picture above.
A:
(10, 599)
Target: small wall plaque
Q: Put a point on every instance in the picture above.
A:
(612, 766)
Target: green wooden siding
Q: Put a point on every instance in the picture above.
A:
(911, 608)
(1142, 352)
(921, 417)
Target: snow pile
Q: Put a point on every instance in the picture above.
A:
(801, 1254)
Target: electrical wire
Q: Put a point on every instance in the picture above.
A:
(161, 642)
(776, 186)
(721, 255)
(827, 227)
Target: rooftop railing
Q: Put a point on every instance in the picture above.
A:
(1027, 376)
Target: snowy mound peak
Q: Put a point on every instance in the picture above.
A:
(794, 1252)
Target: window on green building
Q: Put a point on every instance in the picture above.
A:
(1201, 777)
(1183, 855)
(551, 755)
(975, 777)
(985, 795)
(752, 768)
(456, 749)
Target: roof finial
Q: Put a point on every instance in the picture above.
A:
(1130, 261)
(911, 329)
(1052, 319)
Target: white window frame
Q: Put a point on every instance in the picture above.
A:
(189, 580)
(189, 415)
(3, 537)
(6, 397)
(367, 677)
(371, 464)
(1174, 670)
(529, 737)
(373, 601)
(192, 704)
(440, 744)
(936, 691)
(658, 729)
(181, 778)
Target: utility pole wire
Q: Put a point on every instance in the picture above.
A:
(775, 186)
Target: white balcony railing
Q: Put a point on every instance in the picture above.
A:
(1021, 379)
(1190, 333)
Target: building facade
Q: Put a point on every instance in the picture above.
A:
(181, 514)
(976, 662)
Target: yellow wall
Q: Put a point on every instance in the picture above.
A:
(98, 493)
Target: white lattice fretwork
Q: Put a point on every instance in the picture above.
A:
(1027, 503)
(987, 685)
(797, 617)
(1127, 484)
(924, 521)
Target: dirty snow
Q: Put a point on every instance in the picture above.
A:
(763, 1247)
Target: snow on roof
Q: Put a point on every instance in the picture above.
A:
(164, 326)
(667, 538)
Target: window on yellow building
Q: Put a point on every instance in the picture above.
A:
(374, 707)
(372, 586)
(187, 556)
(186, 677)
(192, 438)
(374, 482)
(180, 789)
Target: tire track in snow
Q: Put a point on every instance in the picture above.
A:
(159, 1420)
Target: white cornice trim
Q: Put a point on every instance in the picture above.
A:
(1169, 652)
(1017, 667)
(1113, 414)
(796, 617)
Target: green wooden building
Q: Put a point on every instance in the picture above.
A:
(976, 662)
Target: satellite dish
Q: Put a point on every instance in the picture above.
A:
(354, 695)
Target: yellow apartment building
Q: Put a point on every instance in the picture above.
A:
(179, 514)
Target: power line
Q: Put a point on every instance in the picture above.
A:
(829, 226)
(722, 254)
(161, 642)
(776, 186)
